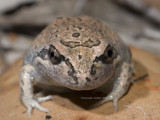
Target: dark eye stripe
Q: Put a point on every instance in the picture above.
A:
(71, 71)
(93, 70)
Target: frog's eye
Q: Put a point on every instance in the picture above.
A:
(108, 55)
(54, 55)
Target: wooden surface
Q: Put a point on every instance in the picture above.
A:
(142, 102)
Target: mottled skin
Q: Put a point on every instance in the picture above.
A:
(77, 53)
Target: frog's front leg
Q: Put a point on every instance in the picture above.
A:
(120, 87)
(27, 78)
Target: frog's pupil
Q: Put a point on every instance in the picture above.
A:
(52, 54)
(110, 53)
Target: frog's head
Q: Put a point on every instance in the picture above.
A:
(79, 59)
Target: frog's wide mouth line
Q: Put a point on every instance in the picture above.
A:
(85, 87)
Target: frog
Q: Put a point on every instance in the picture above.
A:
(76, 53)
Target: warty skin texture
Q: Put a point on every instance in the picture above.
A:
(77, 53)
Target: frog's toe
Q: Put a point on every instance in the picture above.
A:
(29, 110)
(35, 104)
(39, 107)
(107, 99)
(115, 104)
(114, 99)
(43, 99)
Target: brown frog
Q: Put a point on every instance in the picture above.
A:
(76, 53)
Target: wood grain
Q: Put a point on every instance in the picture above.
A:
(142, 102)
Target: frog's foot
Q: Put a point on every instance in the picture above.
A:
(43, 99)
(32, 103)
(107, 99)
(30, 99)
(121, 86)
(113, 98)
